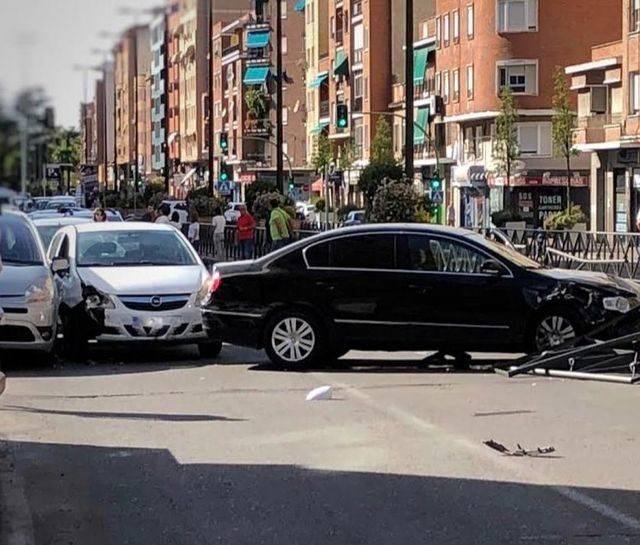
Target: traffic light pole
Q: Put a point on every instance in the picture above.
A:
(279, 100)
(408, 85)
(210, 97)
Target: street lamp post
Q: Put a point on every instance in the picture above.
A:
(408, 126)
(279, 83)
(211, 156)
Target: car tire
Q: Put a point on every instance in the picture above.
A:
(75, 342)
(552, 328)
(294, 340)
(210, 350)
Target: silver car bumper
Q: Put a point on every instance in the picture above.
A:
(25, 326)
(182, 326)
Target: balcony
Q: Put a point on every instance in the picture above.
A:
(339, 36)
(257, 127)
(598, 128)
(256, 55)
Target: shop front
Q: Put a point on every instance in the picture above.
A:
(538, 195)
(475, 196)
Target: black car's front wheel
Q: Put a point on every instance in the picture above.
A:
(294, 340)
(552, 329)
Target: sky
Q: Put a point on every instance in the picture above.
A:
(42, 40)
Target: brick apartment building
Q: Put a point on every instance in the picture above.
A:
(173, 95)
(483, 46)
(607, 83)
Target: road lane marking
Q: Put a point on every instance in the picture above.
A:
(420, 424)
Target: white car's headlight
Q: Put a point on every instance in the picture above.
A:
(204, 290)
(99, 301)
(617, 304)
(40, 292)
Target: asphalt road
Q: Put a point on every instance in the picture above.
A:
(167, 450)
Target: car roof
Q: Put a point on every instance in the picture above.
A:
(93, 227)
(386, 227)
(60, 220)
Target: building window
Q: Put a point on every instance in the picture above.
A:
(445, 29)
(284, 46)
(358, 43)
(456, 85)
(438, 84)
(358, 137)
(599, 99)
(520, 76)
(285, 115)
(358, 92)
(634, 93)
(456, 26)
(445, 86)
(535, 139)
(283, 3)
(470, 21)
(470, 82)
(634, 16)
(438, 31)
(517, 15)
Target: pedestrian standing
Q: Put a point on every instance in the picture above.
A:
(219, 223)
(279, 225)
(194, 231)
(150, 215)
(99, 215)
(163, 214)
(175, 220)
(246, 233)
(451, 215)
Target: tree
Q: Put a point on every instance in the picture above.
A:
(382, 144)
(383, 165)
(397, 201)
(506, 149)
(563, 124)
(257, 188)
(66, 147)
(347, 158)
(322, 154)
(9, 150)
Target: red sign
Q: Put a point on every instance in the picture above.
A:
(248, 177)
(556, 181)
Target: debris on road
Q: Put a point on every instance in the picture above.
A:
(520, 451)
(323, 393)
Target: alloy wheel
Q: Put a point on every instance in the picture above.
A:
(553, 331)
(293, 339)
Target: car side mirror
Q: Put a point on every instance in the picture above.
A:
(492, 268)
(60, 265)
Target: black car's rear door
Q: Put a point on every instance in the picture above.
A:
(449, 301)
(355, 281)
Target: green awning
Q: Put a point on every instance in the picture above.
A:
(257, 39)
(319, 80)
(419, 65)
(341, 68)
(319, 128)
(422, 120)
(256, 75)
(300, 5)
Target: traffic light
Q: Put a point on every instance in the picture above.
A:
(226, 173)
(292, 185)
(435, 184)
(224, 142)
(342, 116)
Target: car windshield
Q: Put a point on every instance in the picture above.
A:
(18, 244)
(46, 233)
(132, 249)
(506, 252)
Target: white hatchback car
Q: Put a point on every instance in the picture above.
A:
(130, 283)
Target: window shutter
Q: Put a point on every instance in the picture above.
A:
(358, 37)
(531, 79)
(545, 145)
(532, 14)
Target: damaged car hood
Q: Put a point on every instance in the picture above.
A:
(593, 279)
(144, 280)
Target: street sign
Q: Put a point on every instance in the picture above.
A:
(337, 178)
(52, 172)
(437, 197)
(224, 187)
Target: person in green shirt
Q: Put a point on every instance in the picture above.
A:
(279, 225)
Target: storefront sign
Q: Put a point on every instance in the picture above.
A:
(550, 180)
(247, 177)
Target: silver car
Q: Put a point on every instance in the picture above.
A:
(28, 295)
(130, 283)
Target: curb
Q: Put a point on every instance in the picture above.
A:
(16, 524)
(3, 382)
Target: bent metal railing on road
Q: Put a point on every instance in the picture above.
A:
(613, 253)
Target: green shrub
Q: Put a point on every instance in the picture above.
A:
(565, 220)
(259, 187)
(396, 201)
(262, 206)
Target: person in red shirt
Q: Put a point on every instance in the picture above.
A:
(246, 231)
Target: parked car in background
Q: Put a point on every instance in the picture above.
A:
(28, 296)
(131, 283)
(355, 217)
(112, 215)
(47, 227)
(405, 287)
(181, 208)
(40, 203)
(56, 203)
(306, 211)
(232, 213)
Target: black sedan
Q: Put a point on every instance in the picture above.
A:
(404, 287)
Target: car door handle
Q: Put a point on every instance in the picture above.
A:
(325, 286)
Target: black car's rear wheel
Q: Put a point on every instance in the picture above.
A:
(294, 339)
(553, 328)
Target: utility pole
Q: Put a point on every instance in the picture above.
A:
(24, 144)
(167, 160)
(279, 82)
(408, 86)
(136, 118)
(210, 96)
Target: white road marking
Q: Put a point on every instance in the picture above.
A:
(423, 425)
